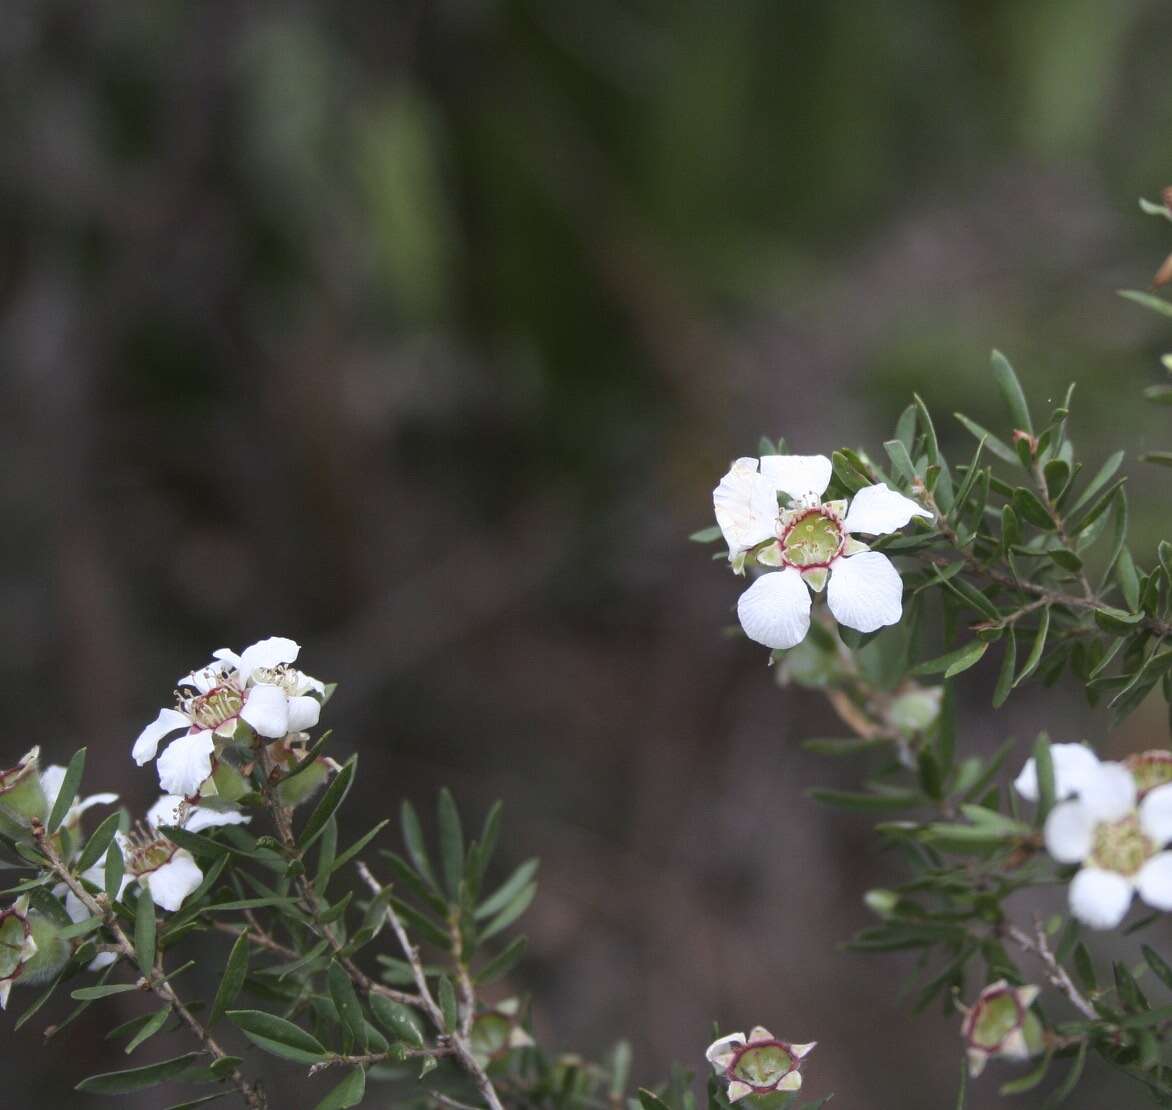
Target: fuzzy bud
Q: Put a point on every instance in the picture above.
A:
(22, 797)
(1000, 1023)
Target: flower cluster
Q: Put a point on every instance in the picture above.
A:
(230, 701)
(810, 545)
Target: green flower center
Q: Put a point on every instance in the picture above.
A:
(762, 1065)
(212, 709)
(1121, 846)
(997, 1017)
(812, 540)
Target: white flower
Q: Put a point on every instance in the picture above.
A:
(1117, 843)
(258, 687)
(1074, 764)
(809, 542)
(758, 1065)
(154, 861)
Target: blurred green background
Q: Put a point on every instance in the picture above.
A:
(420, 331)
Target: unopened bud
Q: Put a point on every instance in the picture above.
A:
(32, 949)
(22, 798)
(497, 1032)
(916, 710)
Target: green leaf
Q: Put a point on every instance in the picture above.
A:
(278, 1036)
(954, 662)
(67, 792)
(150, 1027)
(235, 972)
(1029, 507)
(1158, 965)
(89, 994)
(1029, 1081)
(900, 460)
(451, 842)
(1008, 666)
(416, 845)
(347, 1093)
(508, 890)
(400, 1021)
(333, 797)
(139, 1079)
(447, 1004)
(347, 1004)
(1011, 392)
(1070, 1081)
(1105, 473)
(650, 1101)
(513, 910)
(115, 869)
(1035, 656)
(845, 799)
(144, 931)
(358, 845)
(1159, 458)
(99, 842)
(999, 448)
(1044, 764)
(1148, 300)
(706, 535)
(502, 964)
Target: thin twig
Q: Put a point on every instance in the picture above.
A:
(395, 1055)
(458, 1038)
(1055, 972)
(252, 1094)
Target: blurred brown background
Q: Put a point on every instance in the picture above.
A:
(421, 331)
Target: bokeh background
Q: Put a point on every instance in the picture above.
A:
(420, 330)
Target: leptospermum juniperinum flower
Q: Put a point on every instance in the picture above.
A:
(259, 687)
(759, 1064)
(811, 544)
(152, 860)
(1117, 839)
(1000, 1023)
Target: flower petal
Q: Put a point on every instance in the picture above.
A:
(737, 1090)
(791, 1081)
(1154, 881)
(878, 510)
(745, 506)
(1073, 764)
(865, 592)
(1069, 832)
(720, 1046)
(267, 710)
(186, 763)
(266, 653)
(52, 777)
(1155, 813)
(797, 475)
(174, 881)
(775, 610)
(1109, 794)
(303, 713)
(206, 817)
(146, 747)
(1100, 898)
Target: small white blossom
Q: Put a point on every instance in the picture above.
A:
(811, 544)
(259, 687)
(1117, 839)
(759, 1064)
(1074, 764)
(154, 861)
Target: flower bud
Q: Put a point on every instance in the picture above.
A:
(22, 797)
(882, 903)
(758, 1065)
(1000, 1023)
(31, 948)
(497, 1032)
(916, 710)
